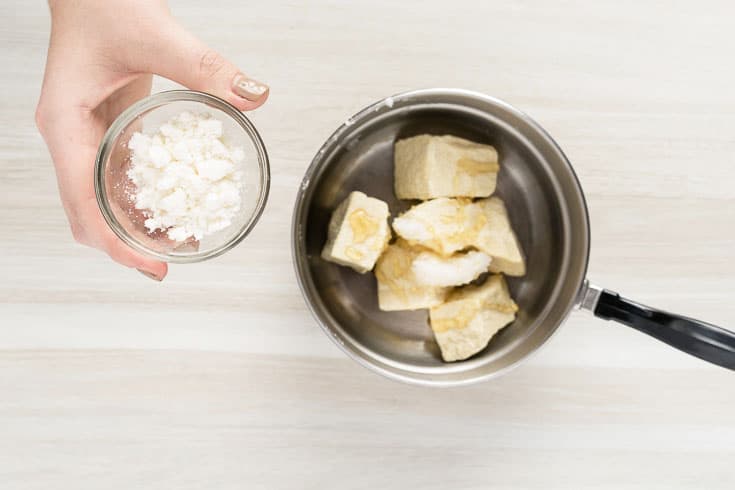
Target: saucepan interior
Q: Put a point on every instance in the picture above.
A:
(546, 207)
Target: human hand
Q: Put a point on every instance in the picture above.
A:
(100, 60)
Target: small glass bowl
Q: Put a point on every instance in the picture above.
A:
(114, 189)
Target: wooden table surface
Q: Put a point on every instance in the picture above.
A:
(219, 377)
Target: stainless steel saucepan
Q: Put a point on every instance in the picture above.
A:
(548, 211)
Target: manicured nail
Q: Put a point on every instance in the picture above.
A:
(150, 275)
(248, 88)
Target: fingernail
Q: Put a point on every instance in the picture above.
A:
(248, 88)
(150, 275)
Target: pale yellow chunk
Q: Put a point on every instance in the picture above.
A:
(497, 239)
(447, 225)
(398, 288)
(443, 225)
(428, 166)
(470, 317)
(358, 232)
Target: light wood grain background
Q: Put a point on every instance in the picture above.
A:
(219, 378)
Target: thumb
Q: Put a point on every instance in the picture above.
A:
(183, 58)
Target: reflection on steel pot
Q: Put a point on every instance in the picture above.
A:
(546, 206)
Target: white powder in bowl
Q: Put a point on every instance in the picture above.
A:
(186, 177)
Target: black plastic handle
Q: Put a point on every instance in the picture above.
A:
(700, 339)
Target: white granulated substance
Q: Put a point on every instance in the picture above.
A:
(186, 177)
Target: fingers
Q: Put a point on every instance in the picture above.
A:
(182, 58)
(122, 254)
(89, 228)
(73, 151)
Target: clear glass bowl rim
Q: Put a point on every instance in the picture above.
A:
(151, 102)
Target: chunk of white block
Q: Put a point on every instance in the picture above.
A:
(497, 239)
(432, 269)
(470, 317)
(398, 288)
(358, 232)
(428, 166)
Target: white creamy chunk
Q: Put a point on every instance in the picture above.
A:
(431, 269)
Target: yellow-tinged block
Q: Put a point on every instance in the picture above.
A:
(470, 317)
(429, 166)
